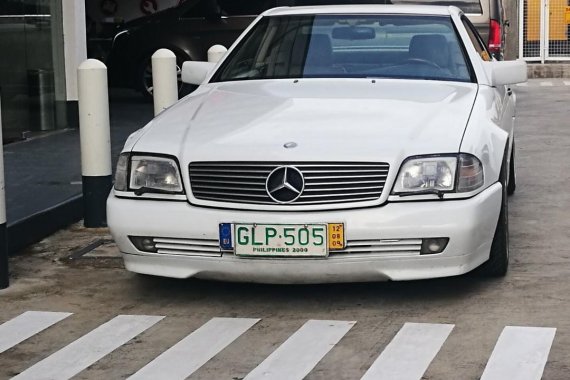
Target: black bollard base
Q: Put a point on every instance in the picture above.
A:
(95, 193)
(4, 273)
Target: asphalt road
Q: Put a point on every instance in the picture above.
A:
(324, 331)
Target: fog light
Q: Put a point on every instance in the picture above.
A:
(142, 243)
(433, 245)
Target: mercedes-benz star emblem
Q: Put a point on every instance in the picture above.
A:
(285, 184)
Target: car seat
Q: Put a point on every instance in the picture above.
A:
(430, 47)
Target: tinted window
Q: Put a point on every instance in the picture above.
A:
(467, 6)
(199, 9)
(206, 8)
(24, 7)
(249, 7)
(339, 46)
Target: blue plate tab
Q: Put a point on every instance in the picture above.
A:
(226, 236)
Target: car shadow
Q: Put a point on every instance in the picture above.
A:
(271, 299)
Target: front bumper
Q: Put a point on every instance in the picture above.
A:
(469, 224)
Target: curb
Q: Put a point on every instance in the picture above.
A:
(549, 70)
(27, 231)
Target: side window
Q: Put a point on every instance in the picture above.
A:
(199, 9)
(476, 39)
(207, 8)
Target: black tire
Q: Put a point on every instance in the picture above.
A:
(144, 78)
(512, 183)
(498, 262)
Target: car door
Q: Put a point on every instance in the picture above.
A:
(505, 99)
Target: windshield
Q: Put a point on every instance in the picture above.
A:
(348, 46)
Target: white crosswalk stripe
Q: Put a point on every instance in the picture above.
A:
(299, 354)
(186, 356)
(521, 353)
(90, 348)
(27, 325)
(409, 354)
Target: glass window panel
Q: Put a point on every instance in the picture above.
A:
(348, 46)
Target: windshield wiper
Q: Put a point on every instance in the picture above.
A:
(144, 190)
(439, 193)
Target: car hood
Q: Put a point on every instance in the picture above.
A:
(337, 120)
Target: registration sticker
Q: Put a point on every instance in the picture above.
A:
(336, 236)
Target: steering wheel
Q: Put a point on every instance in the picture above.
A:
(423, 62)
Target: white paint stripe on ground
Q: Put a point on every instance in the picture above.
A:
(299, 354)
(520, 353)
(547, 84)
(192, 352)
(90, 348)
(27, 325)
(410, 353)
(566, 83)
(524, 84)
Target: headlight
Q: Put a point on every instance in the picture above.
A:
(148, 174)
(439, 174)
(157, 174)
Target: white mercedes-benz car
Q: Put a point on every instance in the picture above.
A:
(329, 144)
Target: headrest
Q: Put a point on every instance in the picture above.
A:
(431, 47)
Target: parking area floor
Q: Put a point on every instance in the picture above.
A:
(103, 322)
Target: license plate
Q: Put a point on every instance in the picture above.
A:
(286, 240)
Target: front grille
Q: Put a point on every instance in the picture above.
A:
(187, 247)
(384, 247)
(325, 182)
(211, 247)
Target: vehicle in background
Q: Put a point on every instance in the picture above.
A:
(194, 26)
(188, 30)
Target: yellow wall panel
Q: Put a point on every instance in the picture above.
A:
(532, 20)
(558, 26)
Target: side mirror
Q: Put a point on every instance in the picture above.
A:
(506, 72)
(195, 72)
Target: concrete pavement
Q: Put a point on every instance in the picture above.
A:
(465, 320)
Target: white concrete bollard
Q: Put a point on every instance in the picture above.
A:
(4, 272)
(164, 80)
(216, 52)
(95, 137)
